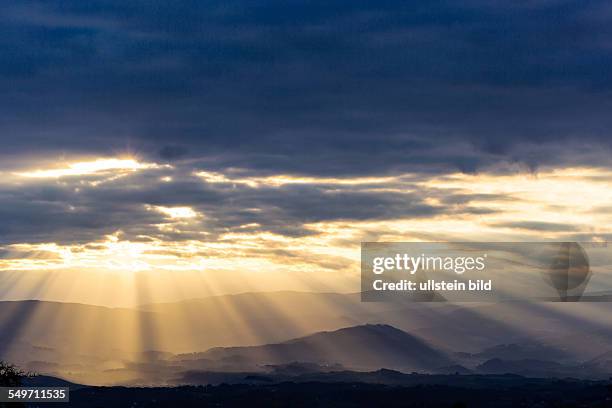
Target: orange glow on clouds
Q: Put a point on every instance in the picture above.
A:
(85, 168)
(572, 201)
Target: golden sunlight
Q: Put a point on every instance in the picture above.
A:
(283, 179)
(175, 212)
(84, 168)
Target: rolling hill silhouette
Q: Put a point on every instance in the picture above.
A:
(364, 347)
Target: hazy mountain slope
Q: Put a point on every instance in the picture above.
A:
(72, 327)
(45, 331)
(359, 347)
(261, 318)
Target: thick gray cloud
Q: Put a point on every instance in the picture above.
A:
(310, 87)
(73, 211)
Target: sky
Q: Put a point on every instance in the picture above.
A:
(222, 146)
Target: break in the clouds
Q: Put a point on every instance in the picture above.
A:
(320, 88)
(125, 214)
(77, 205)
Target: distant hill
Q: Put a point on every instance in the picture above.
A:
(361, 347)
(47, 381)
(526, 367)
(187, 326)
(101, 345)
(601, 363)
(523, 351)
(38, 328)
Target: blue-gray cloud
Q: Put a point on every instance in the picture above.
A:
(310, 87)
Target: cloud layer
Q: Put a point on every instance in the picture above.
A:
(156, 216)
(311, 87)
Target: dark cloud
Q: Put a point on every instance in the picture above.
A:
(172, 152)
(310, 87)
(70, 210)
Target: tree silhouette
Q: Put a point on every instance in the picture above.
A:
(10, 375)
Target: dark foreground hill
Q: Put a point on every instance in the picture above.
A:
(511, 392)
(350, 389)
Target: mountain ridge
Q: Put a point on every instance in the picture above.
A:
(368, 346)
